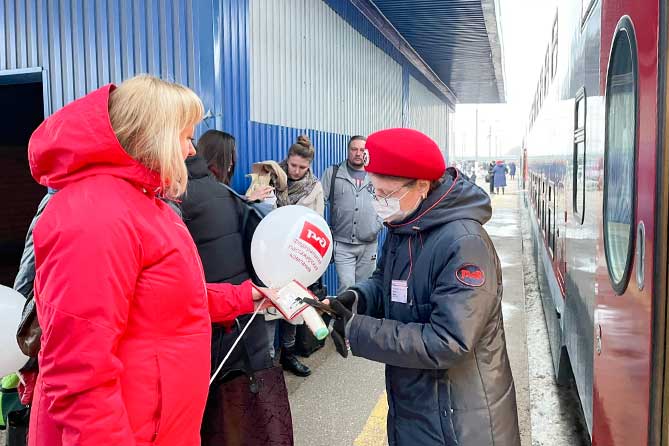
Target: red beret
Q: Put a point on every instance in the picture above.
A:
(404, 153)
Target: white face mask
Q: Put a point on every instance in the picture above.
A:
(388, 209)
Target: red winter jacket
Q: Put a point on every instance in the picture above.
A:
(121, 298)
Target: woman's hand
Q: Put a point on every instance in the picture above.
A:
(260, 298)
(260, 293)
(263, 304)
(261, 194)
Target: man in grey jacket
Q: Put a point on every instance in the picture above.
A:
(353, 220)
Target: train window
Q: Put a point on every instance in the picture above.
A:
(578, 176)
(550, 232)
(619, 155)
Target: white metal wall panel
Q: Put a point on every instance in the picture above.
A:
(311, 70)
(428, 113)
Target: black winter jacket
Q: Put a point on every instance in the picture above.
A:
(447, 369)
(214, 215)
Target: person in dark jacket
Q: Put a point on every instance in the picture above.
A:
(432, 311)
(499, 176)
(512, 170)
(214, 216)
(24, 284)
(491, 176)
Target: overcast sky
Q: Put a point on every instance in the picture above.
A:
(526, 31)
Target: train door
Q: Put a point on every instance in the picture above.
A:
(559, 240)
(21, 98)
(623, 309)
(660, 383)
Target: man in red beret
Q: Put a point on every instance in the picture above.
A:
(432, 311)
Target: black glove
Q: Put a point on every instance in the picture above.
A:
(349, 297)
(342, 316)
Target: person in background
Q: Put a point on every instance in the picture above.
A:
(512, 170)
(24, 284)
(268, 180)
(220, 154)
(491, 176)
(499, 176)
(304, 189)
(214, 215)
(354, 223)
(121, 298)
(432, 311)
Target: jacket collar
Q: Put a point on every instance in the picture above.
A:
(197, 167)
(343, 174)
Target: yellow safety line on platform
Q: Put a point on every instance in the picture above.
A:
(374, 432)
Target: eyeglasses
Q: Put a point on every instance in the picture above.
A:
(384, 199)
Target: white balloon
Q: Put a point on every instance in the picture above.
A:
(291, 243)
(11, 307)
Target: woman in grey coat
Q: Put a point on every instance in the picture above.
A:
(432, 311)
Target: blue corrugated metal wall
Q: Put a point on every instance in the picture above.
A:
(81, 45)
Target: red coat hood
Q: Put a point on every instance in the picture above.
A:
(78, 141)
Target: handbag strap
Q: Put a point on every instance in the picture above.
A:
(331, 197)
(335, 169)
(254, 384)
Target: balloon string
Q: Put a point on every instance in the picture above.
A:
(239, 338)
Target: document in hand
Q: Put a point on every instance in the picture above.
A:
(288, 299)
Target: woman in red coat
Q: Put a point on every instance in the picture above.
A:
(121, 297)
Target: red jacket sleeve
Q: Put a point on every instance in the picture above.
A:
(227, 301)
(86, 270)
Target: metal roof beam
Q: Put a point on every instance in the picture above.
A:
(494, 27)
(380, 22)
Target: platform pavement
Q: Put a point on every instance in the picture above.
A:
(343, 402)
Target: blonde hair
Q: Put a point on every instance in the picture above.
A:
(148, 116)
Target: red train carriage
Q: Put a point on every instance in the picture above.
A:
(597, 184)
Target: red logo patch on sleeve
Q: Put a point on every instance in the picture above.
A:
(470, 275)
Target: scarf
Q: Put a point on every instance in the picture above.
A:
(297, 189)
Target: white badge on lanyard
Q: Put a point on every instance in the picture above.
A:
(398, 291)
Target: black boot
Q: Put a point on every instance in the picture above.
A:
(290, 362)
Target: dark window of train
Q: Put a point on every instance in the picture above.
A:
(550, 223)
(578, 198)
(619, 155)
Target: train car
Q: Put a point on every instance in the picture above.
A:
(596, 179)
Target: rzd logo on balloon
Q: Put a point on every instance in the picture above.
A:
(316, 238)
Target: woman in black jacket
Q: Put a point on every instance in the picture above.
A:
(432, 311)
(214, 215)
